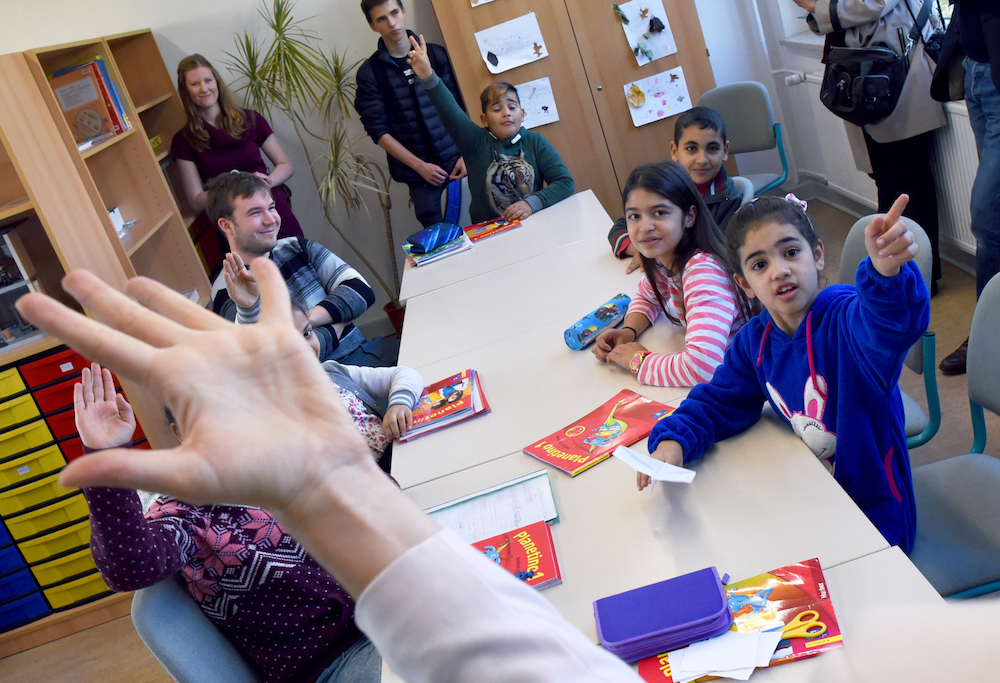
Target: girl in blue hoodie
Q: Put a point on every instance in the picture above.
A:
(828, 361)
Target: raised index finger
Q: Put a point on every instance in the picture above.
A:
(896, 210)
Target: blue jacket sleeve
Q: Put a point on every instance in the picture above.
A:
(369, 104)
(714, 411)
(887, 317)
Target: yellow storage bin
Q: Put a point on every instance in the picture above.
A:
(61, 569)
(11, 383)
(44, 547)
(43, 461)
(38, 492)
(24, 438)
(17, 410)
(48, 517)
(75, 591)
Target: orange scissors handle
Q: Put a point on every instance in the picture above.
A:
(805, 625)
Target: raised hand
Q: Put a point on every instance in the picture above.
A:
(418, 59)
(240, 283)
(889, 242)
(104, 418)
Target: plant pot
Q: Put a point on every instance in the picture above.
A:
(395, 311)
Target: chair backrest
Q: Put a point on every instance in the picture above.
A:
(984, 348)
(183, 639)
(745, 187)
(746, 109)
(855, 251)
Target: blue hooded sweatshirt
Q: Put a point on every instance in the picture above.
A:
(835, 383)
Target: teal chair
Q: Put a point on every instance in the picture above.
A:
(957, 547)
(920, 426)
(183, 639)
(746, 109)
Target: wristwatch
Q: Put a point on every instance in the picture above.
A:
(637, 360)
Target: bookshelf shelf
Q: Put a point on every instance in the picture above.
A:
(139, 234)
(140, 108)
(162, 155)
(100, 147)
(14, 208)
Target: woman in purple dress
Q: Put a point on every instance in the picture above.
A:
(220, 136)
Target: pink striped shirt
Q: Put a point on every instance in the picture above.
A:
(703, 299)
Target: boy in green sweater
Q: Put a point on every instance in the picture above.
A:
(512, 171)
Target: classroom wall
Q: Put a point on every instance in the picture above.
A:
(736, 45)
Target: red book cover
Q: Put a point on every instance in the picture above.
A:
(623, 420)
(451, 400)
(528, 553)
(486, 229)
(769, 601)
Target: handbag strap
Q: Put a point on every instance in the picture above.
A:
(916, 33)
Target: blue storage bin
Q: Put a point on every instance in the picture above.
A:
(4, 535)
(17, 584)
(21, 611)
(10, 559)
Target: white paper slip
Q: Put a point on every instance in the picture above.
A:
(656, 469)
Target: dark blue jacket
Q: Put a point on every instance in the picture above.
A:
(389, 103)
(835, 383)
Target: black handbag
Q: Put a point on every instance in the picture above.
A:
(862, 84)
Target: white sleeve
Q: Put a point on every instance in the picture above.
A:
(398, 385)
(441, 612)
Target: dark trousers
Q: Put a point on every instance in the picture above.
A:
(426, 201)
(904, 167)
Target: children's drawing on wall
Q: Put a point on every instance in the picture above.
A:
(657, 97)
(511, 44)
(538, 102)
(646, 29)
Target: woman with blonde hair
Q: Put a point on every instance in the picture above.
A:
(221, 136)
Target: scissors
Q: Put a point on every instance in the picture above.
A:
(805, 625)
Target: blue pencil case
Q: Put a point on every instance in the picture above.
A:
(432, 237)
(585, 330)
(664, 616)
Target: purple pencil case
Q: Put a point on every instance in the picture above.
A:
(663, 616)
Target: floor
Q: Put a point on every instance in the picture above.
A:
(113, 652)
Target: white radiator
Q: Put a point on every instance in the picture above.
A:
(954, 162)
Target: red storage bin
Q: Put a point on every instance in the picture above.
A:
(56, 397)
(72, 448)
(52, 368)
(62, 424)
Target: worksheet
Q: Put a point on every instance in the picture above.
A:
(511, 44)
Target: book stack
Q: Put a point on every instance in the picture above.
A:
(459, 244)
(479, 231)
(444, 403)
(90, 102)
(528, 553)
(626, 418)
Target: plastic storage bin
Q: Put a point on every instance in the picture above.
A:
(62, 568)
(10, 559)
(17, 410)
(71, 448)
(25, 438)
(11, 383)
(19, 498)
(56, 397)
(53, 367)
(62, 424)
(22, 610)
(78, 590)
(34, 464)
(49, 517)
(44, 547)
(17, 584)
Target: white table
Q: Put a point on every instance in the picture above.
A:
(535, 385)
(760, 500)
(577, 217)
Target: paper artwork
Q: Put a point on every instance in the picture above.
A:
(657, 97)
(511, 44)
(538, 102)
(477, 3)
(647, 29)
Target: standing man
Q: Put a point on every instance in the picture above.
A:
(398, 115)
(329, 292)
(975, 30)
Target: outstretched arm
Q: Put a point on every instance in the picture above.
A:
(889, 242)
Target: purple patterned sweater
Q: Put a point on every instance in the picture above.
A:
(286, 614)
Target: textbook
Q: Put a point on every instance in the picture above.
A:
(459, 244)
(444, 403)
(80, 94)
(528, 553)
(479, 231)
(797, 592)
(626, 418)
